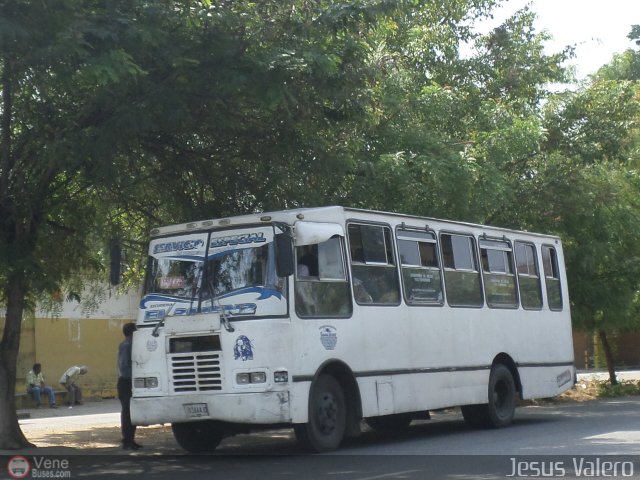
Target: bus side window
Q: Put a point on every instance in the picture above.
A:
(421, 277)
(375, 278)
(528, 276)
(322, 288)
(552, 277)
(461, 274)
(499, 277)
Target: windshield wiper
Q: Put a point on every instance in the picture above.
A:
(160, 323)
(223, 316)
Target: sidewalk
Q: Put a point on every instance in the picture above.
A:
(627, 375)
(90, 407)
(90, 428)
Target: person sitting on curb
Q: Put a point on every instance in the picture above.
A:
(68, 381)
(36, 386)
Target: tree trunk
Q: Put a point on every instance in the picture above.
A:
(609, 356)
(11, 436)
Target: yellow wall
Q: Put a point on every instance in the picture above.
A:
(77, 337)
(61, 343)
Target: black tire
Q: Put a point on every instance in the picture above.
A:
(325, 429)
(500, 409)
(390, 423)
(475, 415)
(198, 437)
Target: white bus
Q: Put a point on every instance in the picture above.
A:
(319, 318)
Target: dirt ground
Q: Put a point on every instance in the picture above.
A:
(94, 425)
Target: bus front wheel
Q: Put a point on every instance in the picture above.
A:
(500, 409)
(325, 429)
(198, 437)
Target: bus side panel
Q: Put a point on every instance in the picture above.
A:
(540, 382)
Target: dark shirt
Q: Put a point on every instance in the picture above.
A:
(124, 358)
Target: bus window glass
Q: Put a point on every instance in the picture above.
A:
(421, 276)
(461, 276)
(552, 277)
(528, 276)
(409, 252)
(331, 261)
(322, 288)
(373, 244)
(499, 279)
(375, 278)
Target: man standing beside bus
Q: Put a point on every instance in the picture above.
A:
(124, 388)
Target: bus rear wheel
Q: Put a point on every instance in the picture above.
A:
(198, 437)
(500, 409)
(326, 427)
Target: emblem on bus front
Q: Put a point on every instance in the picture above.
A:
(152, 345)
(243, 349)
(328, 337)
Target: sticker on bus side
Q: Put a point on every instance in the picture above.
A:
(328, 337)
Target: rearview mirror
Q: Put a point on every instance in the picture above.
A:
(284, 254)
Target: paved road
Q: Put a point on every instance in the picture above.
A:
(562, 438)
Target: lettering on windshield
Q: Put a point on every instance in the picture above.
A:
(178, 246)
(233, 310)
(238, 239)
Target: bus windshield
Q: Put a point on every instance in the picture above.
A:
(235, 274)
(175, 277)
(235, 270)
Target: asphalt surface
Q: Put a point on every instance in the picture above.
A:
(94, 428)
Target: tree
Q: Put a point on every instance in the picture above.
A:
(587, 181)
(453, 136)
(62, 142)
(111, 108)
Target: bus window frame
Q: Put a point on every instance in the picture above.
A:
(318, 280)
(475, 251)
(508, 247)
(394, 257)
(555, 267)
(426, 230)
(537, 267)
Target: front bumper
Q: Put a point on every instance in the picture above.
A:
(246, 408)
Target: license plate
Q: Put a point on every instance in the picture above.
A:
(196, 410)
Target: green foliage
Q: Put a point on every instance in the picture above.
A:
(624, 388)
(120, 115)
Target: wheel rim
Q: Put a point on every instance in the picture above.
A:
(502, 398)
(327, 414)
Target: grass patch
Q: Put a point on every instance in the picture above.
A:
(623, 389)
(586, 390)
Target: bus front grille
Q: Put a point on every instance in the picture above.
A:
(196, 372)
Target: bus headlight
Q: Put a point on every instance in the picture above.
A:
(258, 377)
(145, 382)
(250, 378)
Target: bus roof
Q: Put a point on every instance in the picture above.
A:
(329, 214)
